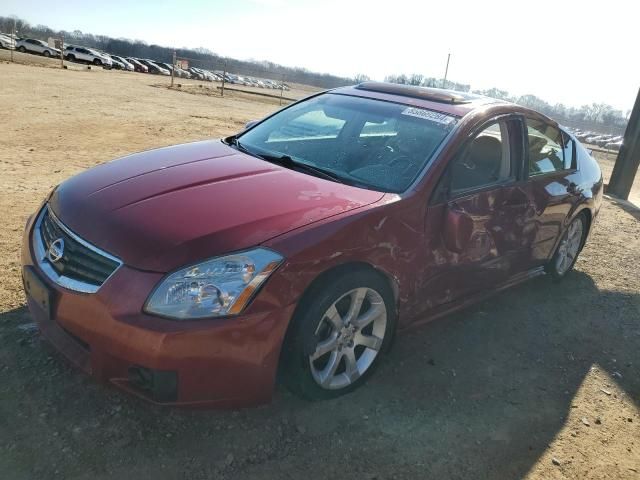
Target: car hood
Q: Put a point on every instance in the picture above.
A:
(161, 209)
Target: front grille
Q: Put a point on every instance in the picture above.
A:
(82, 266)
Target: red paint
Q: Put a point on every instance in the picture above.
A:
(165, 208)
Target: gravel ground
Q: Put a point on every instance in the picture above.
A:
(539, 382)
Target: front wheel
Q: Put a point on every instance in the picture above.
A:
(569, 248)
(97, 62)
(21, 49)
(338, 336)
(47, 53)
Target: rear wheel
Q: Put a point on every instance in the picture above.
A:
(338, 336)
(569, 248)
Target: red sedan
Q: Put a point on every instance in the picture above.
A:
(192, 274)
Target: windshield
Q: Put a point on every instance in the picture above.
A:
(380, 145)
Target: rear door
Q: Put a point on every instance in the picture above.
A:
(83, 54)
(550, 187)
(475, 223)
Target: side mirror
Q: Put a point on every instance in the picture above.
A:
(457, 230)
(250, 124)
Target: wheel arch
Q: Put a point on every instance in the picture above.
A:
(342, 269)
(588, 215)
(327, 276)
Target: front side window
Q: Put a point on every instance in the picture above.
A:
(366, 142)
(546, 151)
(485, 161)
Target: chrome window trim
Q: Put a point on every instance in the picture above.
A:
(40, 254)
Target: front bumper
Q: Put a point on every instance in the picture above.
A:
(225, 363)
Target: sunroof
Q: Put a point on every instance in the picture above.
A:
(424, 93)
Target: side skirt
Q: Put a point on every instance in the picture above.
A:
(462, 304)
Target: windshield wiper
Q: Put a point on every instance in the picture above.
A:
(233, 140)
(289, 162)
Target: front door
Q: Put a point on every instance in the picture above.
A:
(476, 219)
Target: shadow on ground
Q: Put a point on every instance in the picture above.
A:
(479, 394)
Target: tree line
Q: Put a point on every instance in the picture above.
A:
(597, 117)
(197, 57)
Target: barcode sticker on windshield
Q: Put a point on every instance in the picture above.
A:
(428, 115)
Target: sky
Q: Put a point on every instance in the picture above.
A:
(564, 51)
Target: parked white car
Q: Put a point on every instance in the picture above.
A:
(32, 45)
(82, 54)
(127, 64)
(6, 42)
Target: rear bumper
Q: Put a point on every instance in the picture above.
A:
(225, 363)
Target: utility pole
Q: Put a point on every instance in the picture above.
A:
(62, 51)
(628, 161)
(281, 88)
(224, 76)
(173, 67)
(446, 72)
(13, 39)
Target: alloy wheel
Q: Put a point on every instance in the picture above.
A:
(569, 247)
(349, 338)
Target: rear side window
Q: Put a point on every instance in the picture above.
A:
(546, 148)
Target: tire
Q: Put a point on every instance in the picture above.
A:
(324, 354)
(21, 49)
(47, 53)
(568, 249)
(97, 62)
(71, 58)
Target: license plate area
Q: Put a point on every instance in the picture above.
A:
(37, 290)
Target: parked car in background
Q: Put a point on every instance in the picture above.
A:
(6, 42)
(199, 274)
(195, 73)
(126, 64)
(31, 45)
(138, 66)
(73, 53)
(154, 67)
(208, 76)
(179, 72)
(117, 64)
(616, 145)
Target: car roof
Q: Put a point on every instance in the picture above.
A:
(439, 99)
(442, 100)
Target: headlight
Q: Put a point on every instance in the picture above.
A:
(214, 288)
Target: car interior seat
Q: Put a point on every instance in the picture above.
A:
(480, 165)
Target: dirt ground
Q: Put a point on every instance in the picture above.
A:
(541, 382)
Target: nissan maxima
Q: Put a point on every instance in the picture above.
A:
(199, 273)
